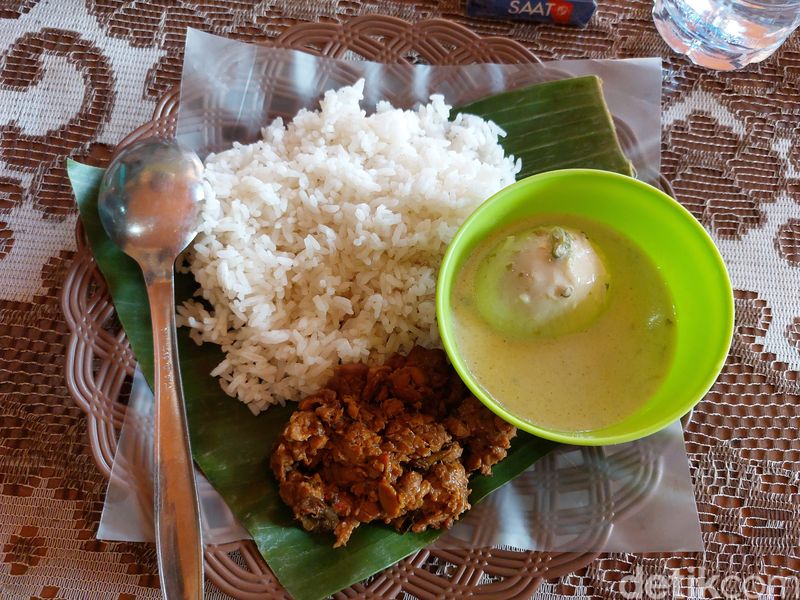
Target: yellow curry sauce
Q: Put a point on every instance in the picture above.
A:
(587, 379)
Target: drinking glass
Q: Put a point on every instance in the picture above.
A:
(726, 34)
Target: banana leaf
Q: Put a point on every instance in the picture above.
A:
(560, 124)
(232, 446)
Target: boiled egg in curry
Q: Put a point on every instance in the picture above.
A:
(544, 280)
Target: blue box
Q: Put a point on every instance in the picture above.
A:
(562, 12)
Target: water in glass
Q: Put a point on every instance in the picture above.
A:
(726, 34)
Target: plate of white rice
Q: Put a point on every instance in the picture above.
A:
(320, 244)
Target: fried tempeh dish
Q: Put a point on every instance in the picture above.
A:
(394, 443)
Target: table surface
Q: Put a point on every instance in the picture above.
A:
(76, 76)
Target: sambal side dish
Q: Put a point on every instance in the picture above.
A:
(393, 443)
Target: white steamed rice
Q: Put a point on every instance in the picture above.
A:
(321, 243)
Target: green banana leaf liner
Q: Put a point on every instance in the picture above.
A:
(553, 125)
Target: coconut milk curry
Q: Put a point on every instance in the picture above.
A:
(594, 375)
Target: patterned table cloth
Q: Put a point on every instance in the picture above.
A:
(77, 75)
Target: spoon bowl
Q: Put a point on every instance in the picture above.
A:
(150, 200)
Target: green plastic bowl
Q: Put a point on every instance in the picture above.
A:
(685, 254)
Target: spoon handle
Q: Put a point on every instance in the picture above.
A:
(178, 538)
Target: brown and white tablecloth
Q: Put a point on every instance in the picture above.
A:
(78, 75)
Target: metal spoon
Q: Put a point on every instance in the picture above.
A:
(149, 204)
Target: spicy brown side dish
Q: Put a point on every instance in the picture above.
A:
(393, 443)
